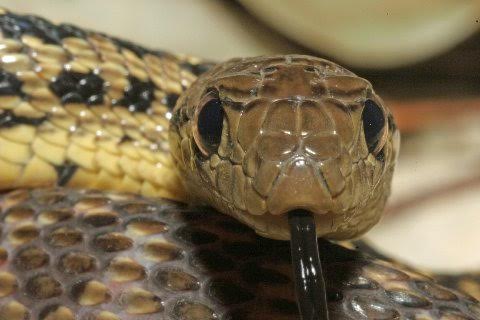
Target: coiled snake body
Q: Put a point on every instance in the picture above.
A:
(254, 138)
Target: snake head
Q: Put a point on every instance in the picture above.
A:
(259, 137)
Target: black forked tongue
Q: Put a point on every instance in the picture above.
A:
(308, 274)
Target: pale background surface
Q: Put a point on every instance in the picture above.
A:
(441, 233)
(210, 29)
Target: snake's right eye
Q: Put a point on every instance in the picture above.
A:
(209, 124)
(373, 120)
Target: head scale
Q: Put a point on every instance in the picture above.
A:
(259, 137)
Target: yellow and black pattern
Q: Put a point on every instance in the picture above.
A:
(79, 108)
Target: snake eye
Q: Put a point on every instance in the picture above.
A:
(373, 124)
(209, 125)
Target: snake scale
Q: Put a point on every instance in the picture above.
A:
(81, 111)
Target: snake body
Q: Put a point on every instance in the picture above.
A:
(80, 109)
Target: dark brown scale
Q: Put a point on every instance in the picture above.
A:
(136, 208)
(54, 216)
(135, 270)
(43, 287)
(17, 214)
(145, 227)
(90, 293)
(160, 251)
(125, 269)
(190, 310)
(408, 299)
(100, 219)
(56, 312)
(3, 254)
(362, 283)
(176, 280)
(64, 237)
(77, 263)
(112, 242)
(140, 302)
(24, 234)
(50, 199)
(31, 258)
(435, 291)
(91, 202)
(367, 307)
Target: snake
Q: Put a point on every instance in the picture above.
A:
(141, 184)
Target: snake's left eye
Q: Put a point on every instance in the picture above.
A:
(373, 120)
(209, 124)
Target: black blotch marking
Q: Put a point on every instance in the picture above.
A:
(9, 120)
(138, 95)
(65, 173)
(138, 50)
(15, 26)
(68, 30)
(73, 87)
(125, 139)
(373, 123)
(170, 100)
(10, 85)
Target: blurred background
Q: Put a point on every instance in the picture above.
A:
(423, 57)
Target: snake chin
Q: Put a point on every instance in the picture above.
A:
(276, 227)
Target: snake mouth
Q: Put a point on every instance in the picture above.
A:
(277, 226)
(300, 186)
